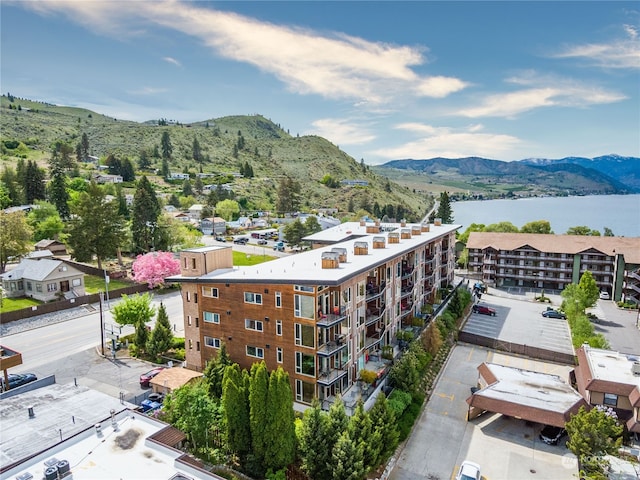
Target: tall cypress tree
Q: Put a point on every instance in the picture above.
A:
(359, 429)
(258, 394)
(315, 450)
(236, 411)
(214, 371)
(280, 437)
(383, 422)
(347, 459)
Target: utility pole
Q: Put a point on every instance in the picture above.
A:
(101, 324)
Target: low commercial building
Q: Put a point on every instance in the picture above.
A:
(611, 379)
(322, 315)
(551, 262)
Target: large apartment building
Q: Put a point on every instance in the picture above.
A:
(322, 315)
(554, 261)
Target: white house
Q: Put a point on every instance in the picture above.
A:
(43, 279)
(179, 176)
(106, 178)
(195, 211)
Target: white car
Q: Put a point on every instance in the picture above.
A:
(468, 471)
(604, 295)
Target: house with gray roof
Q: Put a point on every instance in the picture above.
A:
(43, 279)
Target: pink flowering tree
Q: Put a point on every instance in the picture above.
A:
(152, 268)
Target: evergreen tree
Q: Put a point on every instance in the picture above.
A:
(95, 227)
(337, 421)
(258, 396)
(165, 171)
(280, 437)
(311, 225)
(58, 194)
(146, 210)
(165, 145)
(294, 231)
(347, 459)
(444, 209)
(144, 162)
(383, 424)
(127, 171)
(196, 151)
(174, 200)
(236, 411)
(315, 450)
(161, 337)
(10, 180)
(187, 190)
(288, 195)
(361, 432)
(198, 186)
(595, 432)
(34, 183)
(123, 208)
(84, 148)
(214, 371)
(350, 206)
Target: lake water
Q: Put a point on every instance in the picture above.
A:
(620, 213)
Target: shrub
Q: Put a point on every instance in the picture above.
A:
(368, 376)
(408, 418)
(399, 400)
(177, 343)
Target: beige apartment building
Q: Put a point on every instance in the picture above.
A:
(551, 262)
(322, 315)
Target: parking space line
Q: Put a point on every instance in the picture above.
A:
(470, 354)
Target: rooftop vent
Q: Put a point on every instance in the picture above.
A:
(360, 248)
(330, 260)
(393, 237)
(425, 227)
(378, 242)
(405, 233)
(342, 253)
(635, 368)
(437, 222)
(416, 230)
(373, 229)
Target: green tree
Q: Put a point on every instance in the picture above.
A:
(347, 459)
(165, 171)
(236, 411)
(360, 431)
(404, 374)
(608, 232)
(58, 194)
(5, 200)
(288, 195)
(595, 432)
(294, 231)
(445, 213)
(227, 209)
(144, 162)
(589, 288)
(337, 421)
(198, 186)
(13, 188)
(258, 411)
(187, 189)
(583, 230)
(83, 150)
(383, 423)
(196, 151)
(144, 221)
(62, 152)
(539, 226)
(280, 437)
(504, 227)
(315, 450)
(312, 225)
(45, 222)
(34, 183)
(135, 310)
(165, 145)
(96, 228)
(214, 371)
(161, 337)
(15, 237)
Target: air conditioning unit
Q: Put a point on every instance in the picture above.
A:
(635, 368)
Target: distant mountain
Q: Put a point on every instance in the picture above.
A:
(481, 176)
(626, 170)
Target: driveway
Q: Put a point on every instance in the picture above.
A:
(618, 326)
(506, 449)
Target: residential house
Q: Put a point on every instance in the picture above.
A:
(612, 379)
(43, 279)
(323, 315)
(179, 176)
(107, 178)
(551, 262)
(213, 226)
(54, 246)
(260, 223)
(171, 379)
(195, 211)
(181, 216)
(240, 223)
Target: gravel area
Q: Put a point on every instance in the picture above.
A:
(38, 321)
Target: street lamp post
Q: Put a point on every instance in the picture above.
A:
(101, 324)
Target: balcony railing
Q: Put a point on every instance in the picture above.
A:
(373, 315)
(374, 292)
(331, 376)
(331, 319)
(332, 347)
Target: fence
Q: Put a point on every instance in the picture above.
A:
(51, 307)
(510, 347)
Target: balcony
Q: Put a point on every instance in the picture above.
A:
(372, 338)
(333, 347)
(407, 272)
(374, 292)
(330, 376)
(330, 319)
(374, 314)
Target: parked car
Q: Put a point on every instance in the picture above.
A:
(262, 242)
(156, 397)
(279, 246)
(220, 239)
(484, 310)
(554, 314)
(145, 378)
(149, 406)
(605, 296)
(241, 240)
(552, 435)
(17, 380)
(468, 471)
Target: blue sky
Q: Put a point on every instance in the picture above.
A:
(382, 80)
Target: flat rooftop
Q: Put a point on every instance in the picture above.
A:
(530, 389)
(306, 267)
(60, 411)
(121, 450)
(612, 366)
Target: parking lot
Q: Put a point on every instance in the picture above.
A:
(505, 448)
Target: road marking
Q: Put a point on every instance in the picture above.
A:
(470, 353)
(444, 395)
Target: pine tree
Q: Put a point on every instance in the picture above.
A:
(127, 171)
(214, 371)
(145, 213)
(58, 194)
(236, 411)
(165, 145)
(258, 395)
(315, 450)
(161, 337)
(337, 421)
(347, 459)
(34, 183)
(280, 438)
(444, 209)
(360, 431)
(196, 150)
(384, 428)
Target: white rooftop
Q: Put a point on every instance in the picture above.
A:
(612, 366)
(306, 267)
(532, 389)
(123, 451)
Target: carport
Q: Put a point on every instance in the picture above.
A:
(537, 397)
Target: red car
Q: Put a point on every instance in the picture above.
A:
(145, 378)
(484, 310)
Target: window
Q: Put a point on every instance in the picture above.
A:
(198, 346)
(76, 282)
(279, 354)
(193, 263)
(279, 327)
(189, 320)
(195, 298)
(304, 306)
(305, 391)
(278, 299)
(303, 288)
(253, 298)
(38, 287)
(611, 399)
(29, 287)
(210, 317)
(305, 335)
(210, 292)
(253, 324)
(188, 295)
(190, 344)
(305, 364)
(52, 287)
(212, 342)
(255, 351)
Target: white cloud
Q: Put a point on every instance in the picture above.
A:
(341, 131)
(172, 61)
(451, 143)
(334, 66)
(147, 91)
(623, 53)
(542, 91)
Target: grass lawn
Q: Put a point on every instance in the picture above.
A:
(11, 304)
(244, 259)
(95, 284)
